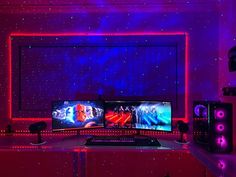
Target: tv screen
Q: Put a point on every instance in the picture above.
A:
(77, 115)
(148, 115)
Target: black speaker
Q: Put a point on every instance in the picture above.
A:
(232, 59)
(183, 128)
(37, 128)
(212, 126)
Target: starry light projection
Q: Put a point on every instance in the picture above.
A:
(146, 18)
(134, 22)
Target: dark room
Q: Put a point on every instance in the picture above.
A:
(117, 88)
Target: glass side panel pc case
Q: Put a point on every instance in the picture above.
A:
(69, 115)
(147, 115)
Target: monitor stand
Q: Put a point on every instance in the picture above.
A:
(137, 133)
(78, 132)
(39, 140)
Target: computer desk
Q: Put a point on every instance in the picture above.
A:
(68, 157)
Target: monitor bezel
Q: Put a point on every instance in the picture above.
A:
(78, 128)
(133, 128)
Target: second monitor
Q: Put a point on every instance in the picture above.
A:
(147, 115)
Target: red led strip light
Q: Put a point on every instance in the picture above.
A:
(186, 118)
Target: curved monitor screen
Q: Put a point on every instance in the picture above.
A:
(77, 115)
(149, 115)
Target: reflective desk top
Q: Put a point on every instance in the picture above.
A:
(219, 164)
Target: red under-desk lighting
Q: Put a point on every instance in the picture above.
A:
(94, 34)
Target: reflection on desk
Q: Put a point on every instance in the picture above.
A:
(68, 156)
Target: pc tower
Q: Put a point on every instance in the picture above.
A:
(212, 126)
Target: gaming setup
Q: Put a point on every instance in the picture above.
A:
(212, 122)
(133, 115)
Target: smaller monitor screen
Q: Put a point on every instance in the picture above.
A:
(152, 115)
(77, 114)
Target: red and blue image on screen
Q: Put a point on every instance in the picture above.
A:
(118, 115)
(77, 114)
(149, 115)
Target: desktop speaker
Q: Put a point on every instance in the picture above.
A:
(183, 128)
(37, 128)
(212, 126)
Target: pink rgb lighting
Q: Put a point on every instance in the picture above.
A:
(221, 164)
(9, 42)
(221, 142)
(219, 114)
(220, 128)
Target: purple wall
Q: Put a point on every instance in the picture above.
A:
(227, 39)
(202, 20)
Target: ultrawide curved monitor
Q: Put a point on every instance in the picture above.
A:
(146, 115)
(69, 115)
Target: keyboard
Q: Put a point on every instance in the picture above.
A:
(122, 141)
